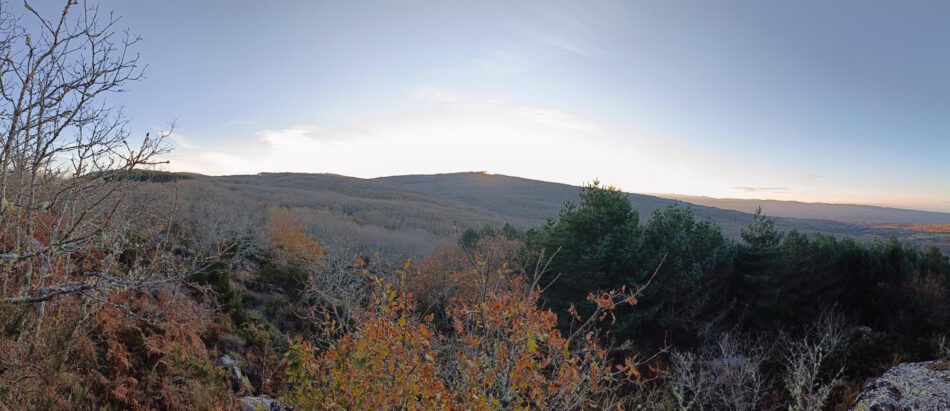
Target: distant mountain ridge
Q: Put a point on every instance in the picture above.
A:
(535, 201)
(846, 213)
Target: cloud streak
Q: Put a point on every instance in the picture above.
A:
(542, 38)
(547, 117)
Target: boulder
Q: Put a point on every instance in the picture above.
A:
(237, 378)
(908, 386)
(262, 403)
(232, 366)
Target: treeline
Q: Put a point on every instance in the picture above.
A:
(769, 281)
(864, 306)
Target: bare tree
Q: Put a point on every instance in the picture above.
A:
(725, 375)
(66, 155)
(805, 358)
(339, 290)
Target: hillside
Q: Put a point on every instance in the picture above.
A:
(845, 213)
(534, 201)
(413, 213)
(353, 214)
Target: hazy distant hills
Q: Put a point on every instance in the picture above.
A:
(531, 202)
(381, 212)
(846, 213)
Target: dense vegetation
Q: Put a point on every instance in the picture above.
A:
(768, 282)
(129, 289)
(593, 306)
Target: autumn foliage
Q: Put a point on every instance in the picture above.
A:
(290, 244)
(493, 347)
(132, 349)
(153, 354)
(388, 363)
(508, 353)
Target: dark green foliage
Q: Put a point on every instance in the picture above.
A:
(761, 234)
(596, 243)
(510, 232)
(469, 238)
(288, 279)
(755, 264)
(601, 245)
(696, 253)
(770, 281)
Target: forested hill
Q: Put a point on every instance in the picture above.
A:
(534, 201)
(846, 213)
(428, 207)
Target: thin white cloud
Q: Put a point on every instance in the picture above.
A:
(556, 119)
(188, 155)
(226, 161)
(182, 142)
(541, 115)
(456, 134)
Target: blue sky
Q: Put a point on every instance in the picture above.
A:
(845, 101)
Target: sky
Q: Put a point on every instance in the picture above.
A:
(842, 102)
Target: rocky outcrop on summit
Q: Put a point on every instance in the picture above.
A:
(909, 386)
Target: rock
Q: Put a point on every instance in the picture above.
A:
(908, 386)
(262, 403)
(232, 365)
(237, 377)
